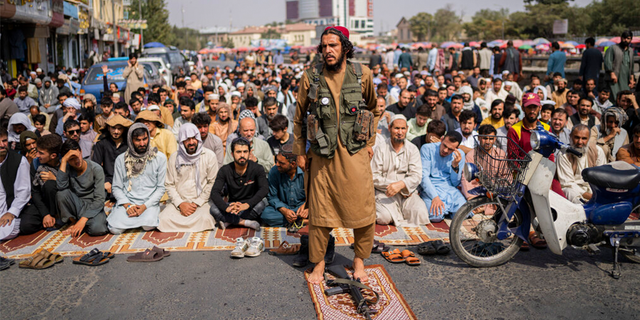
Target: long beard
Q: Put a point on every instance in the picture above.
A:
(337, 66)
(582, 150)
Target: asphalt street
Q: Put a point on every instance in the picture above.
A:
(210, 285)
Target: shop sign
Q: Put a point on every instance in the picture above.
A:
(33, 11)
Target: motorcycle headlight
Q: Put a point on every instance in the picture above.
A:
(535, 140)
(469, 171)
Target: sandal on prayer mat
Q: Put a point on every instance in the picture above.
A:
(285, 248)
(38, 261)
(146, 256)
(427, 249)
(393, 256)
(410, 258)
(441, 248)
(161, 251)
(94, 258)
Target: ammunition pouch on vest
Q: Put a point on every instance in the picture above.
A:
(355, 127)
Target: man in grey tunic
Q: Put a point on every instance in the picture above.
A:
(80, 194)
(138, 183)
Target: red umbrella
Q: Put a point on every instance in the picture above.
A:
(615, 39)
(581, 46)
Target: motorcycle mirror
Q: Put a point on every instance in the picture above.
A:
(469, 171)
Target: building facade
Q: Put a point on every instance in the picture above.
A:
(357, 15)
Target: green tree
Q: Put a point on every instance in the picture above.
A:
(612, 17)
(546, 2)
(447, 25)
(157, 16)
(271, 33)
(488, 24)
(421, 25)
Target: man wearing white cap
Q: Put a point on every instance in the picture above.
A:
(397, 173)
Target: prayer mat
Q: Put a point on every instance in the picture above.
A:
(138, 240)
(391, 304)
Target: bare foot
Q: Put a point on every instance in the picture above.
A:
(317, 275)
(358, 270)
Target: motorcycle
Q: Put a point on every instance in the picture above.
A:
(514, 195)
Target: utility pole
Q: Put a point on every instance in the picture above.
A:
(141, 31)
(115, 29)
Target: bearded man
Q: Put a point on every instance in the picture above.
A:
(341, 192)
(191, 173)
(138, 183)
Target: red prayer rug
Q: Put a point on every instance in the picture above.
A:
(391, 305)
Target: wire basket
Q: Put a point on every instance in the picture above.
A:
(502, 168)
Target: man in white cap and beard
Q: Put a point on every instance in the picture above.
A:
(397, 173)
(191, 172)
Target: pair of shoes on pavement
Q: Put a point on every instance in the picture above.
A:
(6, 263)
(247, 248)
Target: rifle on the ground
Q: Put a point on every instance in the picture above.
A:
(345, 284)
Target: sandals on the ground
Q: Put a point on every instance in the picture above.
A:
(148, 255)
(285, 249)
(39, 261)
(94, 258)
(427, 249)
(394, 256)
(410, 258)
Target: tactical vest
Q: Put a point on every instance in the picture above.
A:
(323, 127)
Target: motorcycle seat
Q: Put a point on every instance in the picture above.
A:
(617, 175)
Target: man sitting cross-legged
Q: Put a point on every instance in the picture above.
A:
(246, 185)
(43, 187)
(138, 183)
(80, 197)
(441, 174)
(487, 140)
(397, 173)
(570, 166)
(110, 145)
(191, 172)
(15, 188)
(286, 190)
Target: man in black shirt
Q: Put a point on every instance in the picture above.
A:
(246, 185)
(403, 106)
(280, 135)
(435, 131)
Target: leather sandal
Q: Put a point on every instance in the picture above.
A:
(394, 256)
(285, 249)
(410, 258)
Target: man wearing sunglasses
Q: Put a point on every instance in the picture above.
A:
(72, 132)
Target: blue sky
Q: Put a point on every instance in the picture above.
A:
(209, 13)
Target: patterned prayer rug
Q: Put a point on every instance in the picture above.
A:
(138, 240)
(391, 304)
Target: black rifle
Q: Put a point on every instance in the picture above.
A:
(346, 284)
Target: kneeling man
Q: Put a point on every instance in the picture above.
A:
(80, 194)
(441, 175)
(570, 166)
(397, 173)
(138, 183)
(190, 175)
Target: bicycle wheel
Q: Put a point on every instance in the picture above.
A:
(474, 239)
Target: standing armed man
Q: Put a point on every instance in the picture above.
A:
(340, 98)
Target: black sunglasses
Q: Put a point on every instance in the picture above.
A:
(74, 131)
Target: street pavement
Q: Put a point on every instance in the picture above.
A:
(209, 285)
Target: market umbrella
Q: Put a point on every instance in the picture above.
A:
(475, 44)
(494, 43)
(581, 46)
(456, 45)
(528, 42)
(524, 47)
(606, 44)
(517, 43)
(154, 45)
(203, 51)
(542, 47)
(567, 45)
(447, 44)
(601, 40)
(572, 43)
(615, 39)
(538, 41)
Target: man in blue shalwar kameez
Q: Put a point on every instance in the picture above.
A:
(441, 174)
